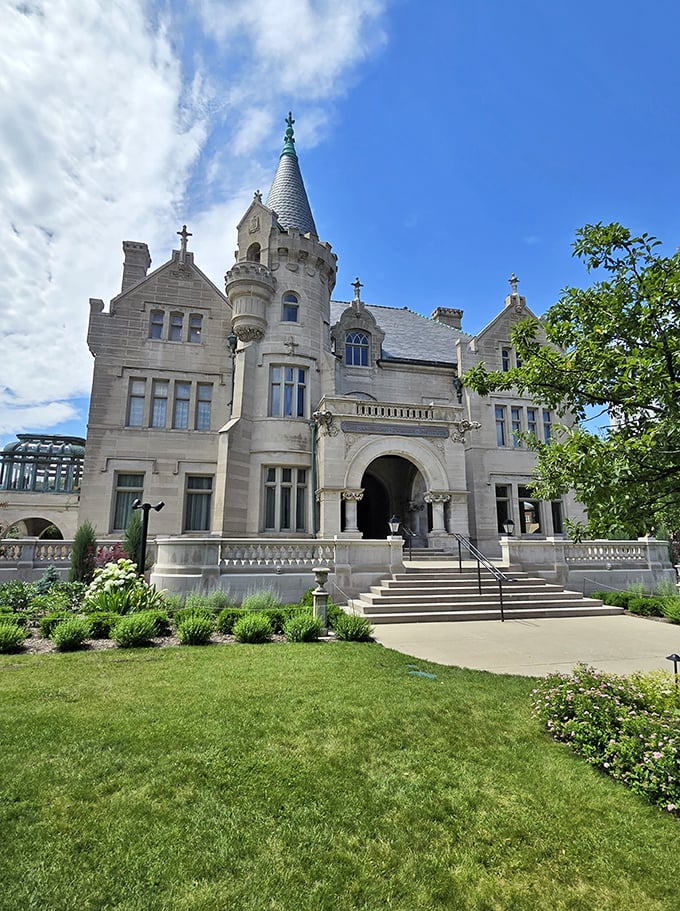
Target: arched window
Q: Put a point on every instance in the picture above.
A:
(253, 253)
(291, 306)
(356, 349)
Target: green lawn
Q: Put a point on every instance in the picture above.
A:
(304, 777)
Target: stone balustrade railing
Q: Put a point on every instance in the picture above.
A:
(247, 553)
(604, 552)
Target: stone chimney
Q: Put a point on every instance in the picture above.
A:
(135, 264)
(450, 316)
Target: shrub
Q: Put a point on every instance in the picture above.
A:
(73, 592)
(645, 606)
(303, 628)
(253, 628)
(16, 594)
(135, 630)
(214, 601)
(195, 630)
(12, 638)
(48, 579)
(50, 603)
(161, 622)
(625, 726)
(101, 623)
(111, 554)
(132, 538)
(8, 616)
(70, 634)
(185, 613)
(83, 553)
(173, 603)
(117, 587)
(333, 612)
(671, 609)
(261, 600)
(352, 628)
(227, 618)
(49, 621)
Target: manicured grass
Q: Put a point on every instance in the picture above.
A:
(305, 777)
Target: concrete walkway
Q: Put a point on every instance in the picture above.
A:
(620, 644)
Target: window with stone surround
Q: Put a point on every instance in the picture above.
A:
(203, 405)
(287, 392)
(529, 512)
(285, 499)
(128, 488)
(135, 404)
(156, 323)
(357, 347)
(180, 411)
(176, 327)
(198, 502)
(195, 328)
(290, 308)
(159, 403)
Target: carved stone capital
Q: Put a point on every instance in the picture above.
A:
(356, 494)
(324, 421)
(248, 333)
(437, 496)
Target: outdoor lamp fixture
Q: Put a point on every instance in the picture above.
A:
(508, 527)
(394, 525)
(145, 507)
(232, 341)
(674, 658)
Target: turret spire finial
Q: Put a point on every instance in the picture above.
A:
(289, 139)
(513, 283)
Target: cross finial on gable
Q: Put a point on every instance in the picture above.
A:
(185, 235)
(513, 283)
(357, 289)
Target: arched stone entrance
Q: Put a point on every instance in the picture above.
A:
(392, 485)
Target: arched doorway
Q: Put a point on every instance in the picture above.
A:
(392, 486)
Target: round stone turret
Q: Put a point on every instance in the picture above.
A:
(249, 287)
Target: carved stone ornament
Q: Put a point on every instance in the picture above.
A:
(356, 495)
(437, 497)
(460, 428)
(182, 272)
(324, 421)
(254, 225)
(248, 334)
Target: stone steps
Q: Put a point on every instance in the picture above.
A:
(425, 595)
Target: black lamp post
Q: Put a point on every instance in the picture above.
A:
(232, 342)
(674, 658)
(145, 507)
(508, 527)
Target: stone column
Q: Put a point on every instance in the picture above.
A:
(351, 498)
(437, 499)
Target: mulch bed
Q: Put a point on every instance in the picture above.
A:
(36, 645)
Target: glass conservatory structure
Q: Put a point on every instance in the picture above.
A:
(43, 464)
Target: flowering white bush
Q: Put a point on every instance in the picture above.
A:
(117, 587)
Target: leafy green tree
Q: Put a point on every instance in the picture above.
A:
(612, 348)
(83, 553)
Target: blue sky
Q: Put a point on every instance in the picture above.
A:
(443, 146)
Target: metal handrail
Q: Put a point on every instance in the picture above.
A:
(411, 535)
(477, 555)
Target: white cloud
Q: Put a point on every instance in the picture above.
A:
(113, 130)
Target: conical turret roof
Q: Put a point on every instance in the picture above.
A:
(288, 197)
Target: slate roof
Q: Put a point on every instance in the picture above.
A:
(287, 196)
(409, 336)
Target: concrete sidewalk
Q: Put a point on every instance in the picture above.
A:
(620, 644)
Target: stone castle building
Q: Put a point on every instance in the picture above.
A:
(271, 410)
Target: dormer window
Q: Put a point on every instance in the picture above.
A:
(507, 358)
(356, 349)
(291, 307)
